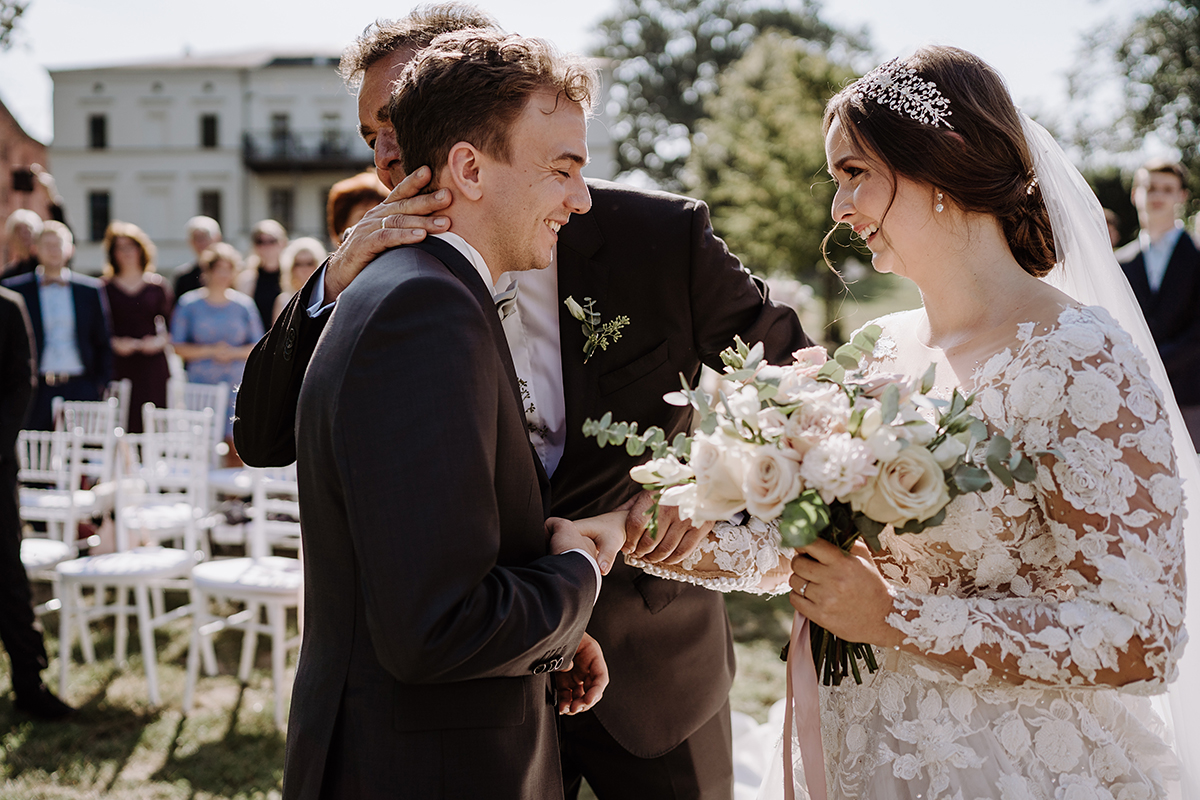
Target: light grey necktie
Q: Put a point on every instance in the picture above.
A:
(506, 301)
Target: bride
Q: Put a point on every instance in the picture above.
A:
(1018, 641)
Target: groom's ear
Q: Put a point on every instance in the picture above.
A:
(462, 171)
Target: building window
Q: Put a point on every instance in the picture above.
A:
(99, 214)
(281, 202)
(331, 134)
(97, 131)
(281, 135)
(210, 204)
(208, 130)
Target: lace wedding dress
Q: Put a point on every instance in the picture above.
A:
(1026, 595)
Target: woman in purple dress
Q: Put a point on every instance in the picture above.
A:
(140, 302)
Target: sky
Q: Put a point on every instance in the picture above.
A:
(1033, 43)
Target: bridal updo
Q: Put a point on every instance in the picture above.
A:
(983, 165)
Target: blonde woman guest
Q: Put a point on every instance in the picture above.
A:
(140, 302)
(297, 264)
(261, 279)
(215, 327)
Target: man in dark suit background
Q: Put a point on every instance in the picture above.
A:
(663, 729)
(435, 607)
(1163, 268)
(21, 637)
(71, 326)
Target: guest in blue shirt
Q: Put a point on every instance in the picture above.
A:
(71, 326)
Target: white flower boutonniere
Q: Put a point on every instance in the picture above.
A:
(598, 334)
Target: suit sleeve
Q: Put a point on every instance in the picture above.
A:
(17, 370)
(102, 340)
(264, 428)
(415, 439)
(728, 301)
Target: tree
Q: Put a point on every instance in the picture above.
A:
(667, 57)
(10, 10)
(759, 161)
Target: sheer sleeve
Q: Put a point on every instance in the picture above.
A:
(1077, 578)
(732, 558)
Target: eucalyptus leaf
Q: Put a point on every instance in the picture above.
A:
(928, 378)
(1025, 471)
(890, 403)
(971, 479)
(635, 447)
(832, 371)
(803, 519)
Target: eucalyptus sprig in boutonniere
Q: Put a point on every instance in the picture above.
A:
(598, 334)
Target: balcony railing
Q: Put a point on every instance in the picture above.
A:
(304, 150)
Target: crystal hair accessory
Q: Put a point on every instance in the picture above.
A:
(897, 86)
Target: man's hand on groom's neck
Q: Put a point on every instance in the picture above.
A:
(404, 217)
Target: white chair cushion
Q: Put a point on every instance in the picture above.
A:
(270, 574)
(54, 500)
(166, 516)
(237, 481)
(38, 554)
(138, 563)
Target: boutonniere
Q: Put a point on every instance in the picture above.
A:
(598, 334)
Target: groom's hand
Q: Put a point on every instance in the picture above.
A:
(676, 538)
(601, 536)
(582, 683)
(403, 217)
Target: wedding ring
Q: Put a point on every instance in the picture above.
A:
(804, 589)
(383, 224)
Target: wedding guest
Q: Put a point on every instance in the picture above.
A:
(201, 232)
(1163, 268)
(298, 262)
(215, 327)
(350, 200)
(19, 631)
(21, 230)
(71, 326)
(140, 303)
(663, 729)
(261, 279)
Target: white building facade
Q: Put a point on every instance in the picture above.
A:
(239, 138)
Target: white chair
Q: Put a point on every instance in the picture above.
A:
(198, 397)
(49, 466)
(96, 422)
(172, 471)
(122, 390)
(260, 581)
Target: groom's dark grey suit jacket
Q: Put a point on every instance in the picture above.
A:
(433, 611)
(652, 257)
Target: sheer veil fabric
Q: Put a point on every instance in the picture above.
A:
(1089, 273)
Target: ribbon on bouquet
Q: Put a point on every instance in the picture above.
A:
(802, 717)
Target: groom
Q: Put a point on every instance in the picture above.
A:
(436, 609)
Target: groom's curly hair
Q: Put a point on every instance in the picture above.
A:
(472, 86)
(983, 165)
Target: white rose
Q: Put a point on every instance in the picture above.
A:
(772, 481)
(948, 452)
(666, 470)
(826, 410)
(744, 405)
(771, 422)
(719, 462)
(910, 487)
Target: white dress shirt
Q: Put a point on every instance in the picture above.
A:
(1156, 255)
(60, 350)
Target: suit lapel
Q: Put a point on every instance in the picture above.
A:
(457, 263)
(1135, 272)
(1177, 280)
(579, 277)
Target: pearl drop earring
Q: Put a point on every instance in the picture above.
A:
(939, 208)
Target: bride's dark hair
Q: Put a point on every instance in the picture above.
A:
(983, 164)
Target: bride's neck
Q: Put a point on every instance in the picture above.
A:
(974, 289)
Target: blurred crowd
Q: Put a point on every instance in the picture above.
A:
(133, 322)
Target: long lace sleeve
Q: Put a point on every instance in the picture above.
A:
(732, 558)
(1077, 578)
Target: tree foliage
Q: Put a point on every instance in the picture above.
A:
(667, 57)
(759, 160)
(10, 12)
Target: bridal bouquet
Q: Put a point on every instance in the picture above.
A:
(820, 450)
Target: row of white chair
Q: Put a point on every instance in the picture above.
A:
(158, 489)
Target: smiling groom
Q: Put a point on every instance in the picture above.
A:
(436, 605)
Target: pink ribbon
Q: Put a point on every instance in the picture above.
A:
(803, 715)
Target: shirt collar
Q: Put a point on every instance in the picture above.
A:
(472, 255)
(1170, 238)
(64, 277)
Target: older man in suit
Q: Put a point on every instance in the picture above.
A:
(1163, 268)
(435, 605)
(663, 729)
(71, 326)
